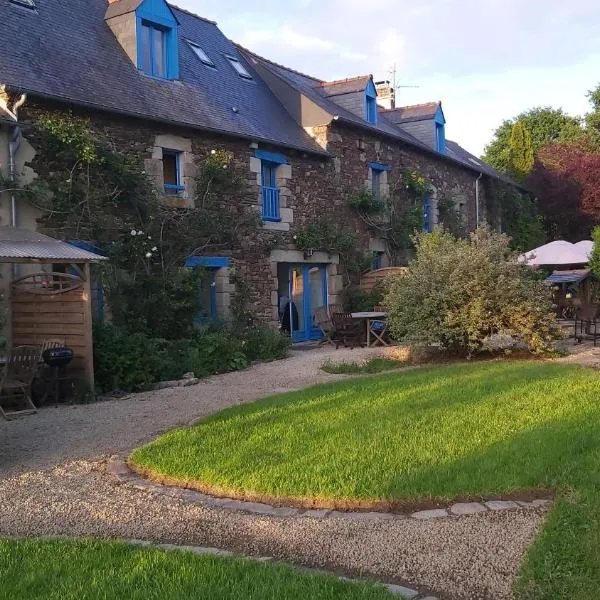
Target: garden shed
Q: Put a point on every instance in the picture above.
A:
(49, 295)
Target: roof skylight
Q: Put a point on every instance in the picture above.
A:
(25, 3)
(238, 66)
(199, 52)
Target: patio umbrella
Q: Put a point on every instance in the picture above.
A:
(559, 252)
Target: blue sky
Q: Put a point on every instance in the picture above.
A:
(485, 59)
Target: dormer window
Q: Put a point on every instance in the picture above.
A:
(238, 66)
(440, 131)
(371, 103)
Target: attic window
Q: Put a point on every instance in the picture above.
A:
(238, 66)
(199, 52)
(25, 3)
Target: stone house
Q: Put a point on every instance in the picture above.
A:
(169, 88)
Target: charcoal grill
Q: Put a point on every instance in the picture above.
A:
(58, 383)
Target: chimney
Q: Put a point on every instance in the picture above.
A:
(386, 95)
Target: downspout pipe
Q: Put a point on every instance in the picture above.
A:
(13, 148)
(477, 199)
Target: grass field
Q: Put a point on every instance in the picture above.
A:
(478, 429)
(93, 570)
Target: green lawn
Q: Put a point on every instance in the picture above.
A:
(372, 366)
(476, 429)
(93, 570)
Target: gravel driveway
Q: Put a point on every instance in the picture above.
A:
(54, 482)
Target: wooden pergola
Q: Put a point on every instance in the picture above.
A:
(53, 303)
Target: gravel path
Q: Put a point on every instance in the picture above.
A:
(54, 482)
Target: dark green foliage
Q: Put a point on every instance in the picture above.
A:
(133, 361)
(520, 151)
(518, 214)
(156, 306)
(449, 217)
(545, 125)
(364, 201)
(358, 300)
(594, 263)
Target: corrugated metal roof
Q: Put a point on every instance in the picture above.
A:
(22, 244)
(570, 276)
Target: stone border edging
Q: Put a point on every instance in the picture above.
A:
(119, 469)
(404, 592)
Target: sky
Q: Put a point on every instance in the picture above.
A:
(486, 60)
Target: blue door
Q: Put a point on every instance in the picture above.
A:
(308, 291)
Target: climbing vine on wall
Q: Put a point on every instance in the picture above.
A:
(517, 214)
(89, 190)
(397, 216)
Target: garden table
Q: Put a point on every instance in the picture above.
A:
(368, 318)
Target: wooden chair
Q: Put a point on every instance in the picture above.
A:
(336, 308)
(15, 388)
(347, 330)
(323, 321)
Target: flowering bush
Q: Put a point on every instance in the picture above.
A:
(457, 293)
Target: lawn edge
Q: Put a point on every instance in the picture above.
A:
(261, 503)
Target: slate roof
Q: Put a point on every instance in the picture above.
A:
(416, 112)
(345, 86)
(313, 89)
(65, 51)
(458, 153)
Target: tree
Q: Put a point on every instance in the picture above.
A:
(520, 151)
(566, 181)
(594, 263)
(592, 119)
(544, 124)
(457, 293)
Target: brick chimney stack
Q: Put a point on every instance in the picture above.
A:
(386, 95)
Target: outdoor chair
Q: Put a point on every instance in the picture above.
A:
(586, 322)
(348, 331)
(324, 323)
(336, 308)
(15, 389)
(379, 327)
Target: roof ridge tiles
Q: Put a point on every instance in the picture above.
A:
(275, 64)
(346, 80)
(191, 14)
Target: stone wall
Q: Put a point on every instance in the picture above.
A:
(312, 187)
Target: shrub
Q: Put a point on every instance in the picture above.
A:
(458, 292)
(358, 300)
(133, 361)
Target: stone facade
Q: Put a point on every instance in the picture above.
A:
(311, 186)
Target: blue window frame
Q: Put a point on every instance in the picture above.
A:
(376, 170)
(376, 184)
(207, 286)
(172, 172)
(270, 193)
(427, 216)
(154, 50)
(371, 103)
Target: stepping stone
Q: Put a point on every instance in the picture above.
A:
(501, 504)
(403, 591)
(467, 508)
(435, 513)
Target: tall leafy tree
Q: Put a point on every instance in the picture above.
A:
(520, 151)
(544, 124)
